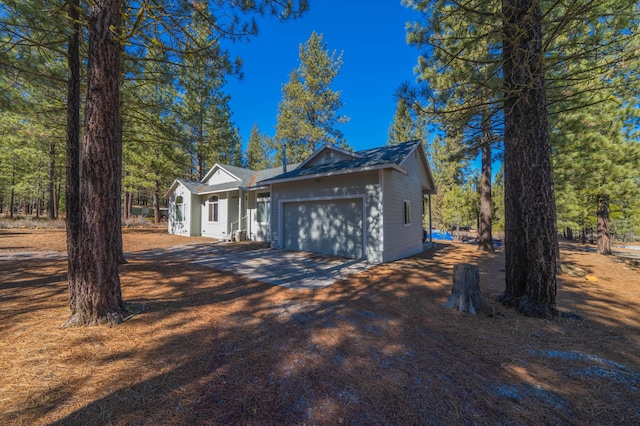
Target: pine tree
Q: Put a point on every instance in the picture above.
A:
(596, 166)
(308, 112)
(204, 113)
(403, 128)
(549, 54)
(259, 150)
(459, 84)
(449, 172)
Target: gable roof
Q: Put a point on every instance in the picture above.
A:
(245, 179)
(240, 174)
(191, 186)
(389, 156)
(328, 147)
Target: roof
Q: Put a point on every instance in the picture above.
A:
(246, 179)
(389, 156)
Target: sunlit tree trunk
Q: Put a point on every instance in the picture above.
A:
(604, 236)
(156, 202)
(530, 219)
(98, 297)
(72, 186)
(51, 201)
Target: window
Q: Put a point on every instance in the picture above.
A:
(407, 212)
(264, 206)
(213, 208)
(179, 209)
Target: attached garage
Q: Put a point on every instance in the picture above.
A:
(333, 226)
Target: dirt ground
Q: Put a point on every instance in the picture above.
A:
(212, 348)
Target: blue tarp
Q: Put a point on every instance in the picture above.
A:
(439, 235)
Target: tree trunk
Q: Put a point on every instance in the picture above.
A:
(125, 210)
(156, 202)
(485, 237)
(568, 234)
(465, 292)
(12, 200)
(72, 186)
(57, 203)
(128, 207)
(604, 236)
(98, 297)
(530, 216)
(117, 234)
(51, 211)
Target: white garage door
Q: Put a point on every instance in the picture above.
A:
(330, 227)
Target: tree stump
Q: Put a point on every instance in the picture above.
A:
(465, 293)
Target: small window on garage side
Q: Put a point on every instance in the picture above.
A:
(179, 209)
(263, 200)
(213, 208)
(407, 212)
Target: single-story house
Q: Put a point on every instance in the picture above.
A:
(368, 204)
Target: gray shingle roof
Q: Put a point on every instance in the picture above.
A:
(248, 178)
(369, 158)
(191, 185)
(390, 154)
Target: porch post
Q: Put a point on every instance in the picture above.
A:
(239, 209)
(430, 225)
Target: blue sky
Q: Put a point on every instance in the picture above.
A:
(376, 60)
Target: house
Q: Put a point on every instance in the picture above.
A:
(368, 204)
(227, 204)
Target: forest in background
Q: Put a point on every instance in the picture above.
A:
(176, 120)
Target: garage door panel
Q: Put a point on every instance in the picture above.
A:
(329, 227)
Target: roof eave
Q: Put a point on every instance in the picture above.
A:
(336, 173)
(173, 188)
(217, 191)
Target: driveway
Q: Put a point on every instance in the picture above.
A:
(290, 269)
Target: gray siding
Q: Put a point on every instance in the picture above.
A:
(327, 226)
(256, 231)
(331, 188)
(328, 156)
(401, 240)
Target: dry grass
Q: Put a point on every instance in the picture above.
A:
(212, 348)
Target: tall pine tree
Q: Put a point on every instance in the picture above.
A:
(308, 112)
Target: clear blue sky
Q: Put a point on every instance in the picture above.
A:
(376, 60)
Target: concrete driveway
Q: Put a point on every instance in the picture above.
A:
(285, 268)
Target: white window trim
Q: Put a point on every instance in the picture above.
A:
(209, 203)
(263, 200)
(180, 207)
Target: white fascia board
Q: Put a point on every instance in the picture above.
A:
(219, 190)
(218, 166)
(257, 188)
(171, 188)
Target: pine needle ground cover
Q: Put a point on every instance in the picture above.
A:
(209, 347)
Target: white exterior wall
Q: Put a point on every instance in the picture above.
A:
(333, 187)
(191, 216)
(401, 240)
(217, 229)
(220, 176)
